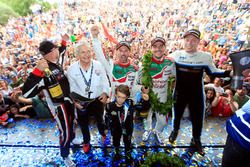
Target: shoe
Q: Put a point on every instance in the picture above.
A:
(159, 137)
(104, 139)
(128, 157)
(77, 141)
(117, 155)
(173, 136)
(86, 148)
(196, 144)
(146, 135)
(68, 162)
(117, 150)
(128, 151)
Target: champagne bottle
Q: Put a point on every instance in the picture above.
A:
(53, 87)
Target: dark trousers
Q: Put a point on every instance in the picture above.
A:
(65, 118)
(96, 109)
(116, 132)
(196, 108)
(235, 155)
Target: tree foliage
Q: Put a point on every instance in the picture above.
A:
(6, 12)
(22, 7)
(14, 8)
(45, 6)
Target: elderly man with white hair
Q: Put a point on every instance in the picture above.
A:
(88, 80)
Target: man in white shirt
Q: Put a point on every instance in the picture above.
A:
(88, 79)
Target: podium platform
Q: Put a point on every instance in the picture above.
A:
(31, 142)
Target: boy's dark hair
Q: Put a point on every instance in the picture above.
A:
(123, 89)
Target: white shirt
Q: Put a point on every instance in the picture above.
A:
(217, 89)
(99, 81)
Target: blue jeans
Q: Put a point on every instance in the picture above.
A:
(235, 155)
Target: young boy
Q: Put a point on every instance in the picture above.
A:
(119, 115)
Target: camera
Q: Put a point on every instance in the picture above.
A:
(224, 94)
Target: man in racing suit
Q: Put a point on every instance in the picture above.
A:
(63, 112)
(161, 69)
(190, 66)
(120, 71)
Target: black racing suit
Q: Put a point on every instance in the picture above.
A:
(63, 112)
(189, 88)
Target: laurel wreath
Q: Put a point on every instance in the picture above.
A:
(147, 81)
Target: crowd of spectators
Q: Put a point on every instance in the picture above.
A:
(224, 26)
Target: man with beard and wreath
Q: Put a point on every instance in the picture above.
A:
(159, 69)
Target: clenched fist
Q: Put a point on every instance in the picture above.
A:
(145, 97)
(42, 64)
(65, 37)
(95, 31)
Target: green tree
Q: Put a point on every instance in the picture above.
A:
(6, 13)
(21, 7)
(14, 8)
(45, 5)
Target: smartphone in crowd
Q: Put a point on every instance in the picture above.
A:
(224, 94)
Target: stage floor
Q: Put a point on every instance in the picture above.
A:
(33, 142)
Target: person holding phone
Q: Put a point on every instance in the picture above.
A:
(224, 104)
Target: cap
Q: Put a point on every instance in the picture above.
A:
(193, 32)
(12, 74)
(22, 73)
(46, 47)
(123, 43)
(158, 39)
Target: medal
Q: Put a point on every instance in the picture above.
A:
(87, 83)
(87, 89)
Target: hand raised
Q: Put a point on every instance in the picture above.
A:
(145, 97)
(95, 31)
(42, 64)
(65, 37)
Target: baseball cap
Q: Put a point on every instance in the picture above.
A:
(12, 75)
(193, 32)
(158, 39)
(123, 43)
(46, 47)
